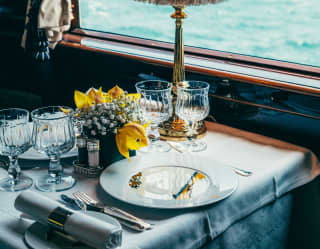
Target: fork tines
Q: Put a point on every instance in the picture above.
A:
(85, 198)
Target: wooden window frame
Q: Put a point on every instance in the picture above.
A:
(77, 34)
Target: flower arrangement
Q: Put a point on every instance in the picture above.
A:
(115, 112)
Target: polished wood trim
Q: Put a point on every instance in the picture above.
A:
(264, 106)
(75, 22)
(74, 42)
(255, 62)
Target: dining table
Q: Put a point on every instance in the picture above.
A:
(258, 214)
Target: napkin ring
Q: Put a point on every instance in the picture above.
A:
(58, 218)
(56, 221)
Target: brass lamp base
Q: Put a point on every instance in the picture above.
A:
(177, 131)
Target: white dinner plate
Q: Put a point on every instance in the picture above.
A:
(32, 154)
(168, 182)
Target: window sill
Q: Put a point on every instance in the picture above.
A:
(153, 52)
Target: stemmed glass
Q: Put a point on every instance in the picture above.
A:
(193, 105)
(156, 105)
(53, 135)
(15, 139)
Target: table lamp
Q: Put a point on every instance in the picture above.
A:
(176, 128)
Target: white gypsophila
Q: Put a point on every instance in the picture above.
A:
(103, 120)
(94, 119)
(111, 125)
(89, 122)
(115, 131)
(93, 132)
(98, 126)
(111, 116)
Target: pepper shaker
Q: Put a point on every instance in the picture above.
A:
(82, 150)
(93, 147)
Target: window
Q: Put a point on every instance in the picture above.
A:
(282, 30)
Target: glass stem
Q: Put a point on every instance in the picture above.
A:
(14, 169)
(55, 168)
(192, 133)
(153, 133)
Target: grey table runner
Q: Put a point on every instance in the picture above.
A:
(278, 168)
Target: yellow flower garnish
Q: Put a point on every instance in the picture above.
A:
(115, 92)
(131, 136)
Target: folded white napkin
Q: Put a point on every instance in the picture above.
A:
(88, 230)
(55, 17)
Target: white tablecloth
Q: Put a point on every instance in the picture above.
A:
(278, 168)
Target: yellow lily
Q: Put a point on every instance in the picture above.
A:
(146, 124)
(81, 100)
(96, 97)
(131, 136)
(115, 92)
(134, 96)
(64, 110)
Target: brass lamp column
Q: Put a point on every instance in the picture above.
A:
(178, 65)
(175, 128)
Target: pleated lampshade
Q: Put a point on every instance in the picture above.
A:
(182, 2)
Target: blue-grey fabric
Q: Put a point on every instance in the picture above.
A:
(266, 228)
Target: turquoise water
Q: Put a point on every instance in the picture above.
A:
(285, 30)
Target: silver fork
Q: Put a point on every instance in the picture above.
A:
(113, 211)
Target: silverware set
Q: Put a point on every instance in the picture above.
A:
(83, 201)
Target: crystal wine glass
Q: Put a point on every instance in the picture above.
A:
(156, 105)
(53, 135)
(193, 105)
(15, 139)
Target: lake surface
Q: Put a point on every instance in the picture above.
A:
(285, 30)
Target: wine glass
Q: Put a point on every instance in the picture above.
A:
(156, 105)
(193, 105)
(53, 135)
(15, 139)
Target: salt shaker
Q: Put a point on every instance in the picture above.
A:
(93, 147)
(82, 150)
